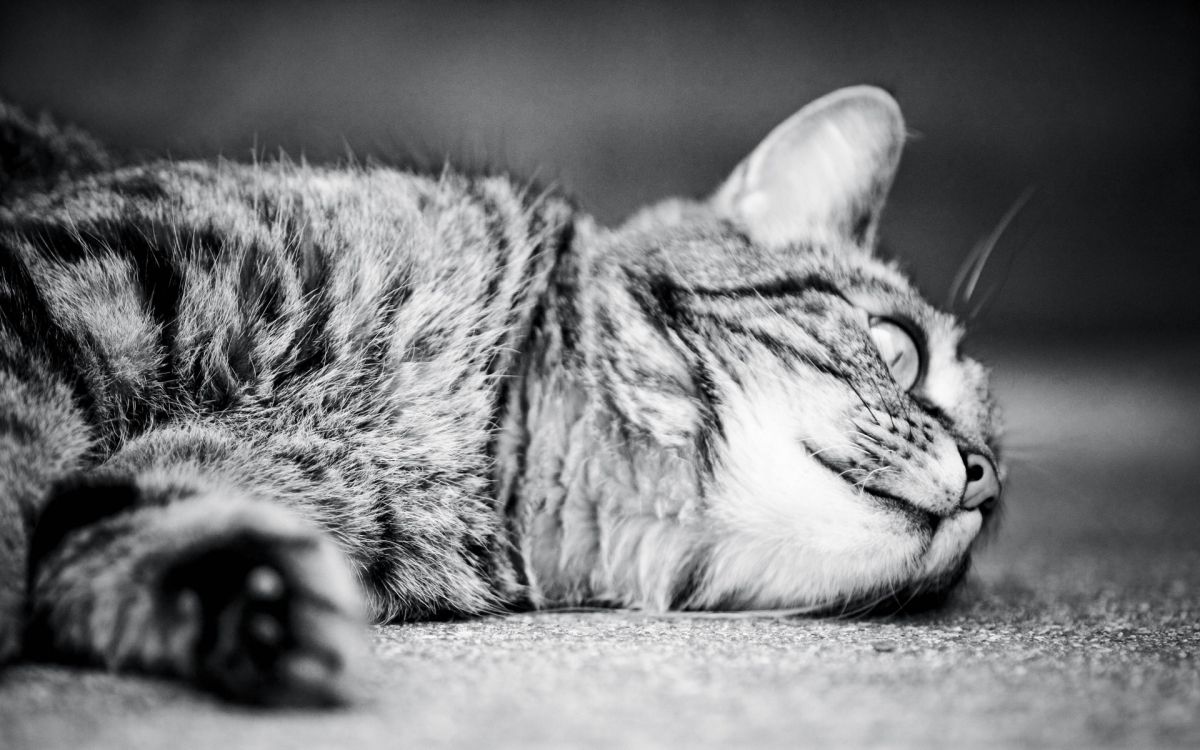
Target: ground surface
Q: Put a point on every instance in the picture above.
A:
(1079, 628)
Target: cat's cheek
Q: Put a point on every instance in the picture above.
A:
(951, 542)
(788, 532)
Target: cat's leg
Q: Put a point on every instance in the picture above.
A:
(42, 436)
(170, 569)
(421, 544)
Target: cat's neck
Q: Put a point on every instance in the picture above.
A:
(598, 512)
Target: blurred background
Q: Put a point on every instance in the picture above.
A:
(1094, 106)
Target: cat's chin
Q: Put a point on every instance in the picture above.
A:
(951, 543)
(910, 569)
(919, 596)
(946, 561)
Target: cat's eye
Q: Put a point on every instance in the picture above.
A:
(899, 350)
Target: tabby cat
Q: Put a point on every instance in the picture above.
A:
(245, 408)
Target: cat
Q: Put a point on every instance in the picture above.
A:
(247, 408)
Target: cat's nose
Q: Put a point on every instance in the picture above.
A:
(983, 486)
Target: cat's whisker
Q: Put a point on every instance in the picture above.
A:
(993, 241)
(845, 445)
(900, 606)
(879, 393)
(962, 289)
(960, 276)
(842, 474)
(994, 290)
(863, 607)
(872, 438)
(862, 483)
(974, 313)
(866, 405)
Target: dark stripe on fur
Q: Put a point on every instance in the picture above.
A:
(659, 303)
(26, 316)
(77, 503)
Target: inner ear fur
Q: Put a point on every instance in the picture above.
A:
(823, 173)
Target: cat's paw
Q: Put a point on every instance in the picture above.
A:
(274, 619)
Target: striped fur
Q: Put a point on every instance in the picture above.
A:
(243, 404)
(711, 373)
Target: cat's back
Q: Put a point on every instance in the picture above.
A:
(276, 288)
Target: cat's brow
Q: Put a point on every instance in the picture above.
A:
(780, 287)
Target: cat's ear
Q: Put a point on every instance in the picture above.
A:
(822, 174)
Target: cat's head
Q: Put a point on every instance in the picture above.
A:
(846, 450)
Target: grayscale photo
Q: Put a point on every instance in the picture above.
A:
(599, 375)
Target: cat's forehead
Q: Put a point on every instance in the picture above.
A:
(697, 250)
(879, 288)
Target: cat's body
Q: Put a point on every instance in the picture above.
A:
(220, 383)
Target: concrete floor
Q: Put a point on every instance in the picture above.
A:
(1080, 627)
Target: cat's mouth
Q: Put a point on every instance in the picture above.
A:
(925, 520)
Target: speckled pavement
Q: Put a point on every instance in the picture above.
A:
(1080, 627)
